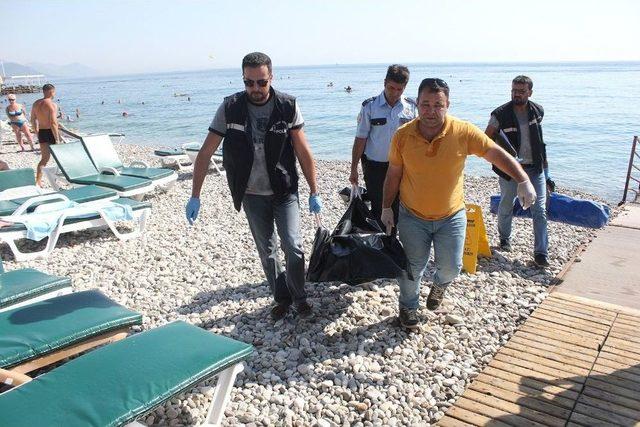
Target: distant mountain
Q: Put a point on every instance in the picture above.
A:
(68, 70)
(15, 69)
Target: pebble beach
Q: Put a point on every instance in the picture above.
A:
(350, 364)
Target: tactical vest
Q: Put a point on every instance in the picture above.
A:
(509, 125)
(237, 154)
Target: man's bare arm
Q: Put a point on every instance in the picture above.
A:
(356, 154)
(506, 163)
(391, 185)
(305, 158)
(34, 118)
(51, 111)
(201, 165)
(490, 131)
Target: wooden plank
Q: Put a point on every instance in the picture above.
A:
(586, 309)
(632, 368)
(625, 336)
(515, 409)
(566, 390)
(618, 358)
(585, 420)
(542, 362)
(611, 397)
(610, 408)
(561, 336)
(565, 310)
(619, 352)
(552, 346)
(609, 417)
(488, 384)
(619, 373)
(627, 322)
(528, 401)
(459, 414)
(448, 421)
(621, 329)
(612, 385)
(597, 304)
(623, 345)
(631, 320)
(562, 358)
(567, 319)
(493, 413)
(555, 380)
(568, 329)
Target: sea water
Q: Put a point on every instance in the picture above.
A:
(592, 110)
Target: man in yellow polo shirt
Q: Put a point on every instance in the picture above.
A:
(426, 164)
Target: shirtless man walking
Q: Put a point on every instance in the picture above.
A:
(44, 115)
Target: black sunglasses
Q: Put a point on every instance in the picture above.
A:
(250, 83)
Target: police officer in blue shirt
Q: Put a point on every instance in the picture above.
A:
(378, 120)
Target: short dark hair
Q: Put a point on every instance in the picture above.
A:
(48, 87)
(398, 73)
(523, 80)
(256, 59)
(434, 85)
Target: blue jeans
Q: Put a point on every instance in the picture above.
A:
(416, 235)
(262, 212)
(508, 191)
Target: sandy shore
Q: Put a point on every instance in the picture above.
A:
(349, 364)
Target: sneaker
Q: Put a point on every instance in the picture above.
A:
(436, 295)
(279, 310)
(505, 245)
(304, 309)
(409, 318)
(541, 260)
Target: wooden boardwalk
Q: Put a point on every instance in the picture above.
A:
(574, 362)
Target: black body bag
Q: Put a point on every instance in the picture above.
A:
(357, 250)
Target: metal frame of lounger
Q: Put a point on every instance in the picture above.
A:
(217, 157)
(221, 396)
(10, 237)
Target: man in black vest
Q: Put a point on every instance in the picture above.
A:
(263, 137)
(516, 127)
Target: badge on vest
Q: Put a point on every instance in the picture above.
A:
(279, 127)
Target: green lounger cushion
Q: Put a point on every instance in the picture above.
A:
(16, 178)
(118, 183)
(20, 285)
(77, 167)
(119, 382)
(135, 205)
(41, 328)
(169, 152)
(148, 173)
(7, 207)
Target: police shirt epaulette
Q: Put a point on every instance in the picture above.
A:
(411, 100)
(366, 101)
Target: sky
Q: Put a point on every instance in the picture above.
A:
(133, 36)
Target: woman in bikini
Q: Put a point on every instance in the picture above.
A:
(18, 120)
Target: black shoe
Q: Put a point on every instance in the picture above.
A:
(541, 260)
(304, 309)
(279, 310)
(505, 245)
(409, 318)
(436, 295)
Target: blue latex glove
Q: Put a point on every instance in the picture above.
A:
(546, 173)
(192, 210)
(315, 204)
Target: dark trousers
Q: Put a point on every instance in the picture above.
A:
(374, 175)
